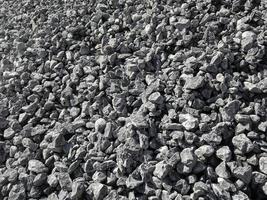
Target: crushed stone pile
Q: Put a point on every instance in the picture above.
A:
(133, 100)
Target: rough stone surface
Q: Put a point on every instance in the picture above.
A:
(161, 169)
(188, 121)
(194, 83)
(97, 190)
(229, 110)
(243, 143)
(263, 164)
(36, 166)
(224, 153)
(133, 100)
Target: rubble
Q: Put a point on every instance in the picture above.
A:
(133, 100)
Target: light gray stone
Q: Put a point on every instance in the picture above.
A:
(194, 83)
(37, 166)
(263, 164)
(243, 143)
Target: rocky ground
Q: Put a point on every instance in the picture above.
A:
(133, 100)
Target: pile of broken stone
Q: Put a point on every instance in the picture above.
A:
(133, 100)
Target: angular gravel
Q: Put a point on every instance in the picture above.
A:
(133, 100)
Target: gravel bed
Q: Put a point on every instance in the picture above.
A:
(133, 100)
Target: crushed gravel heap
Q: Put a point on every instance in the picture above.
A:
(133, 100)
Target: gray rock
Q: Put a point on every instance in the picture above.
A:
(255, 118)
(52, 180)
(263, 164)
(252, 87)
(224, 153)
(37, 166)
(156, 98)
(3, 121)
(188, 158)
(97, 191)
(222, 171)
(221, 128)
(182, 186)
(211, 174)
(31, 108)
(182, 23)
(2, 152)
(65, 181)
(262, 85)
(100, 125)
(248, 40)
(219, 192)
(21, 47)
(88, 166)
(217, 59)
(194, 83)
(111, 179)
(17, 192)
(84, 49)
(200, 186)
(242, 143)
(28, 143)
(172, 126)
(253, 160)
(39, 179)
(165, 195)
(58, 141)
(263, 126)
(69, 55)
(197, 194)
(226, 185)
(188, 121)
(243, 173)
(138, 120)
(80, 153)
(244, 119)
(73, 166)
(9, 133)
(35, 192)
(132, 182)
(63, 195)
(240, 196)
(53, 196)
(77, 189)
(106, 165)
(259, 109)
(113, 194)
(174, 159)
(23, 117)
(229, 110)
(190, 63)
(99, 177)
(241, 128)
(212, 138)
(264, 188)
(161, 169)
(258, 178)
(204, 151)
(11, 175)
(190, 137)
